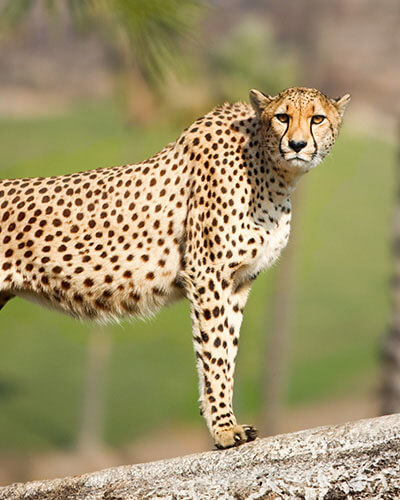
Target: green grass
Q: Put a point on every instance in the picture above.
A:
(341, 306)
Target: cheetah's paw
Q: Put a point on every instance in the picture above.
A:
(234, 436)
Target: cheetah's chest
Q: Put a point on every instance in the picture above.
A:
(274, 232)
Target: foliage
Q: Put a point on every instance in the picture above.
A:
(247, 58)
(152, 31)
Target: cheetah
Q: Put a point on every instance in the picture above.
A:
(200, 219)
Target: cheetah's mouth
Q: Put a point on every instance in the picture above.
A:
(297, 158)
(301, 161)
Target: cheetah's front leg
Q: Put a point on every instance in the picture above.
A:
(217, 315)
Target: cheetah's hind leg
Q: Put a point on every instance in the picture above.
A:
(4, 298)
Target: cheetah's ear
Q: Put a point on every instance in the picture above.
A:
(259, 100)
(341, 103)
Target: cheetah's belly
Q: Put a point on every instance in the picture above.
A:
(136, 288)
(142, 302)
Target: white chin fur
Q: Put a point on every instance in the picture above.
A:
(303, 164)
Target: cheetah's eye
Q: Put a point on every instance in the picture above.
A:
(282, 117)
(317, 119)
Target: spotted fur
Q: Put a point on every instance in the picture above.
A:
(200, 219)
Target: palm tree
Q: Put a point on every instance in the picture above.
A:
(143, 37)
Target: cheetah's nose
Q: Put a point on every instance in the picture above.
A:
(297, 145)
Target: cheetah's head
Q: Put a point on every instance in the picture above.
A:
(299, 125)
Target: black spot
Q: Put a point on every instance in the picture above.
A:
(204, 337)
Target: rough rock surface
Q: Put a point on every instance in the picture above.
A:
(358, 460)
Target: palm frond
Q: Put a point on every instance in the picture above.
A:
(13, 11)
(153, 30)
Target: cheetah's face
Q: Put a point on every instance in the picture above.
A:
(299, 126)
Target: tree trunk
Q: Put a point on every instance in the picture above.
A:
(359, 460)
(90, 437)
(390, 354)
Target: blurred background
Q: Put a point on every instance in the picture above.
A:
(93, 83)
